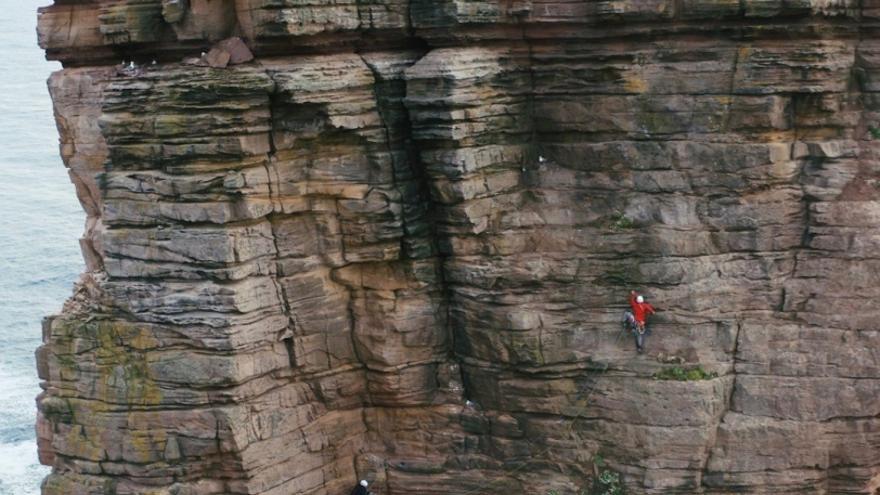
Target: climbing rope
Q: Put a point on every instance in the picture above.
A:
(568, 432)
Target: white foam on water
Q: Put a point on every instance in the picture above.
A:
(40, 222)
(17, 477)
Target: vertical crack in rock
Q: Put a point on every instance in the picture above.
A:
(286, 336)
(713, 438)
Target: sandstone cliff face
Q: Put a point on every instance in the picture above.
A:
(301, 267)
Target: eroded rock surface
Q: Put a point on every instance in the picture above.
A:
(302, 266)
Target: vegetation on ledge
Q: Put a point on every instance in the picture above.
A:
(605, 481)
(690, 374)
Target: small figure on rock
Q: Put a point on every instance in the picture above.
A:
(129, 69)
(636, 319)
(361, 488)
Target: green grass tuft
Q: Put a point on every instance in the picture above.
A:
(607, 482)
(622, 222)
(677, 373)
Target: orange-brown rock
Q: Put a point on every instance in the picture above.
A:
(392, 240)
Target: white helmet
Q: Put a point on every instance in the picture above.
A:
(364, 483)
(640, 299)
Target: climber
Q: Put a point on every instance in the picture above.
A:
(636, 319)
(361, 488)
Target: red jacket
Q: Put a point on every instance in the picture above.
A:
(640, 310)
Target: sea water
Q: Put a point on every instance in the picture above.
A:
(40, 222)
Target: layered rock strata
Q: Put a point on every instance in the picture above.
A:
(397, 243)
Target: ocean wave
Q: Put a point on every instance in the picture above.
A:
(20, 473)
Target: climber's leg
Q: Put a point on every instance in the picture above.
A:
(639, 332)
(629, 321)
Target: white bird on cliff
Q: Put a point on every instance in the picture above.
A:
(541, 159)
(131, 65)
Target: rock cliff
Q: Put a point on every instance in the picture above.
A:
(396, 245)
